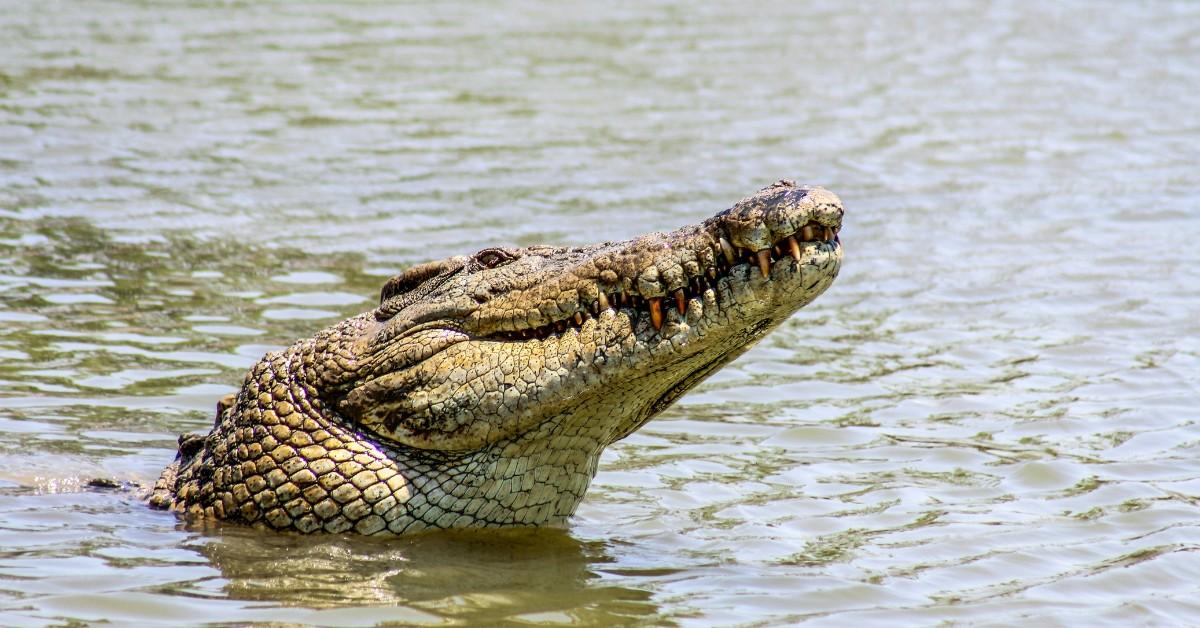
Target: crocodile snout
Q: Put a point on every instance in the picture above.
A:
(777, 221)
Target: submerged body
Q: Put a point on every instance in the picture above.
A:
(483, 389)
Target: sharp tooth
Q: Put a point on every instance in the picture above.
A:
(656, 317)
(727, 251)
(712, 273)
(624, 298)
(807, 234)
(603, 302)
(778, 251)
(578, 318)
(794, 247)
(828, 233)
(764, 262)
(681, 302)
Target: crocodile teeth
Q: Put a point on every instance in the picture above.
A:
(712, 273)
(680, 302)
(764, 262)
(656, 317)
(578, 318)
(603, 301)
(793, 247)
(727, 250)
(828, 233)
(807, 233)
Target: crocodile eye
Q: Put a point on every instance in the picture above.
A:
(491, 258)
(412, 278)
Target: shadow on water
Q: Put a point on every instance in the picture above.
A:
(477, 577)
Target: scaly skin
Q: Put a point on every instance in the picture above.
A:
(482, 390)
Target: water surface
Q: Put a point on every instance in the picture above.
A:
(990, 417)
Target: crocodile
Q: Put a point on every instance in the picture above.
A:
(483, 389)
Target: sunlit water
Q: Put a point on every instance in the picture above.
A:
(989, 418)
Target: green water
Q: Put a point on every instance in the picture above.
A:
(990, 418)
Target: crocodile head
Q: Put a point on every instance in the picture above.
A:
(470, 351)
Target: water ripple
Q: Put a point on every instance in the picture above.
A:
(988, 419)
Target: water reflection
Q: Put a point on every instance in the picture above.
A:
(475, 577)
